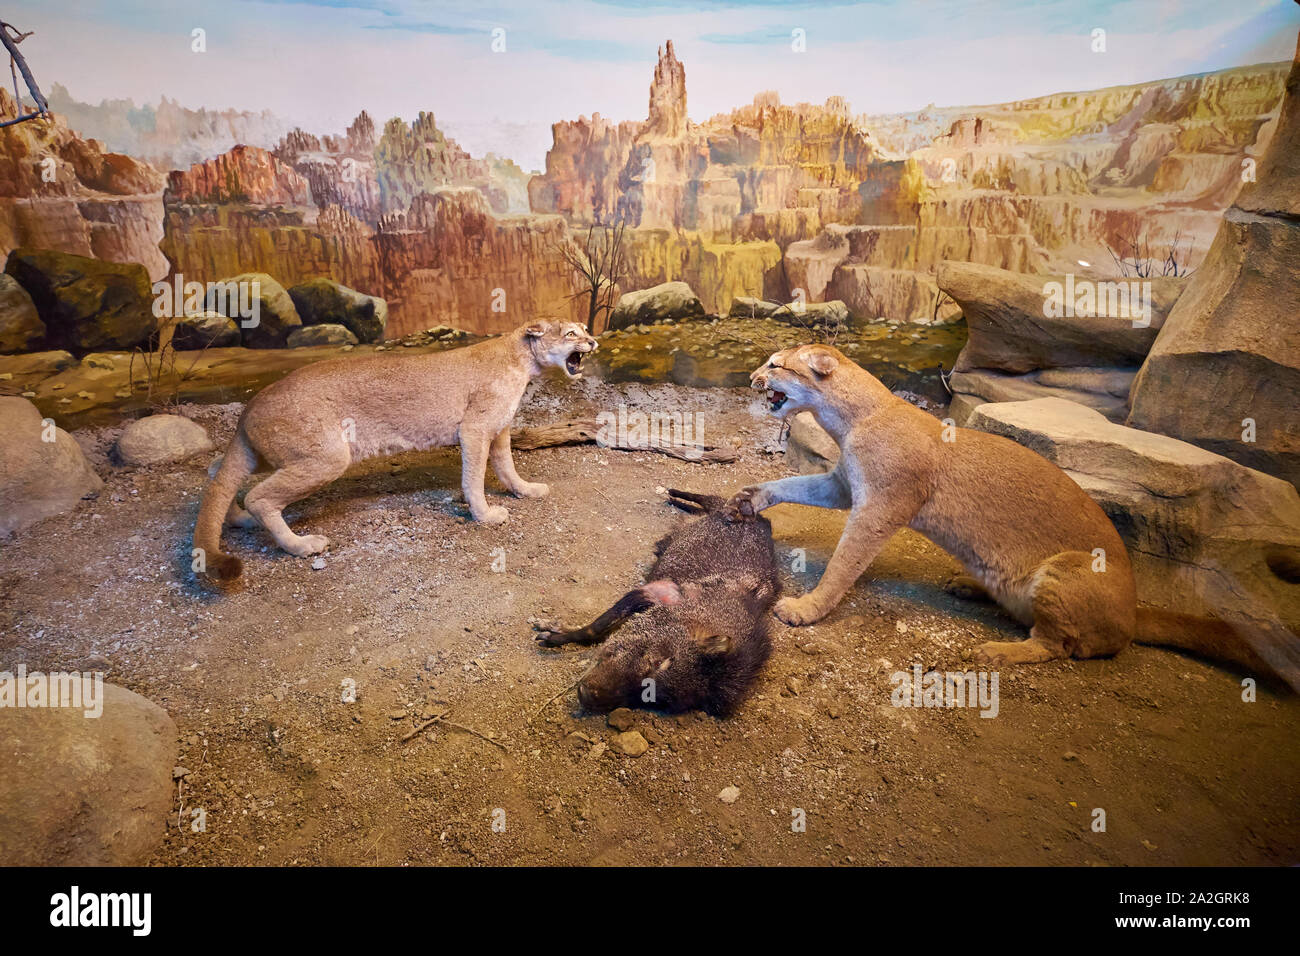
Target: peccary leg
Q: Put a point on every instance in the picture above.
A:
(638, 599)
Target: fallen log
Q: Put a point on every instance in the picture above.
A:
(590, 432)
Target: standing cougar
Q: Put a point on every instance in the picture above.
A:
(1028, 534)
(319, 419)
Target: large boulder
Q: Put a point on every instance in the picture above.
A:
(256, 298)
(1224, 372)
(671, 301)
(21, 329)
(42, 469)
(325, 302)
(1103, 389)
(1207, 536)
(86, 304)
(1010, 328)
(1229, 356)
(161, 438)
(206, 330)
(83, 790)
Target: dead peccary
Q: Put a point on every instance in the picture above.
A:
(701, 631)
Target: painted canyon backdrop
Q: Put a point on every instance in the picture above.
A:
(770, 195)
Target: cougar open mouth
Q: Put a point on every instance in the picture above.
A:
(573, 364)
(775, 399)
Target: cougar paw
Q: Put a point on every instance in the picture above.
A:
(797, 611)
(741, 506)
(493, 515)
(308, 544)
(532, 489)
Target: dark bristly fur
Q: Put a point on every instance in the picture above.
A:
(700, 625)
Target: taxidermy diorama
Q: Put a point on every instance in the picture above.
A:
(419, 448)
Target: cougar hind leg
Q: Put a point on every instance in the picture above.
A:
(1077, 612)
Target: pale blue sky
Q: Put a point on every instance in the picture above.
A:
(318, 62)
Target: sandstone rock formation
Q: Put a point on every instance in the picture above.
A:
(21, 329)
(1104, 390)
(157, 439)
(1062, 336)
(61, 192)
(1207, 536)
(1224, 372)
(320, 301)
(81, 791)
(38, 477)
(863, 209)
(245, 174)
(1114, 322)
(444, 258)
(86, 304)
(339, 170)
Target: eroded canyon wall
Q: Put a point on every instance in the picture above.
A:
(64, 193)
(865, 208)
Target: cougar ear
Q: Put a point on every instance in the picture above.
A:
(822, 361)
(712, 645)
(536, 329)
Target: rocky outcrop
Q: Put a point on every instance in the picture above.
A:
(246, 174)
(339, 169)
(21, 329)
(1233, 339)
(61, 192)
(86, 791)
(42, 470)
(1030, 186)
(86, 304)
(1018, 323)
(672, 301)
(323, 301)
(420, 158)
(158, 439)
(1052, 336)
(1207, 536)
(448, 260)
(440, 256)
(1103, 390)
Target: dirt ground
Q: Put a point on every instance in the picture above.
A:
(409, 607)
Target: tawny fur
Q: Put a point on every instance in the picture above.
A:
(1027, 533)
(310, 426)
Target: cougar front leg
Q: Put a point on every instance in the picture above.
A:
(820, 491)
(868, 528)
(503, 464)
(474, 446)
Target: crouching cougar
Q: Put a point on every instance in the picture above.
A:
(317, 420)
(1028, 535)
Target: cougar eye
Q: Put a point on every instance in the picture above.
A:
(570, 334)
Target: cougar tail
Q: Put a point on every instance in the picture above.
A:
(1259, 646)
(240, 460)
(696, 504)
